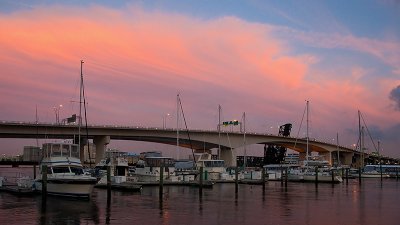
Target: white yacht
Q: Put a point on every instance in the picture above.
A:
(65, 174)
(214, 169)
(148, 168)
(119, 167)
(325, 173)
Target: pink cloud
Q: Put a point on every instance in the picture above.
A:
(136, 61)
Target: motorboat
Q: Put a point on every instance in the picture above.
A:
(148, 168)
(118, 164)
(65, 176)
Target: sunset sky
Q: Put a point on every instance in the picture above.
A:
(265, 58)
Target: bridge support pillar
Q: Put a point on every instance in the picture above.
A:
(327, 156)
(346, 158)
(229, 156)
(100, 142)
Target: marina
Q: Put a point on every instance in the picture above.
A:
(372, 202)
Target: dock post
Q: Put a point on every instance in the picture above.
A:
(333, 176)
(34, 171)
(281, 176)
(343, 172)
(108, 183)
(286, 176)
(359, 175)
(263, 178)
(201, 180)
(316, 175)
(161, 189)
(397, 173)
(236, 179)
(347, 176)
(44, 182)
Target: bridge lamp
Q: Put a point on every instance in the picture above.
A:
(165, 120)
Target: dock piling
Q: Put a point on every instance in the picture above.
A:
(286, 176)
(201, 181)
(108, 183)
(34, 171)
(359, 175)
(347, 176)
(236, 179)
(44, 181)
(263, 178)
(161, 189)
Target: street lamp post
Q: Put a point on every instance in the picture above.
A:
(165, 120)
(57, 112)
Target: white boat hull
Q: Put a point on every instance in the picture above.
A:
(322, 178)
(74, 188)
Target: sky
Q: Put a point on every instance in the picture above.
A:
(264, 58)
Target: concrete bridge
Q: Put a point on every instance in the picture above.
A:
(200, 140)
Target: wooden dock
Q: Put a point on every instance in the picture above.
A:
(15, 189)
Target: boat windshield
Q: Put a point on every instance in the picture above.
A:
(214, 163)
(77, 170)
(61, 169)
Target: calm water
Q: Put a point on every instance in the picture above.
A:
(299, 203)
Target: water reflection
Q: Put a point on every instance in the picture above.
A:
(298, 203)
(57, 210)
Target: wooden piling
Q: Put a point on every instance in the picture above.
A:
(236, 179)
(108, 183)
(161, 189)
(286, 176)
(44, 182)
(281, 176)
(201, 179)
(397, 173)
(347, 175)
(333, 176)
(359, 175)
(34, 171)
(316, 175)
(263, 178)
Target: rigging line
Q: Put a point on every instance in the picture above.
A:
(187, 130)
(369, 134)
(301, 123)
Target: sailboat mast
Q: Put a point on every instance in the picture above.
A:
(359, 134)
(337, 147)
(177, 127)
(244, 140)
(219, 131)
(307, 137)
(80, 108)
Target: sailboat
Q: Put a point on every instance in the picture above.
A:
(317, 170)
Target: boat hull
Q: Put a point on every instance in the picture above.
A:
(70, 188)
(322, 179)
